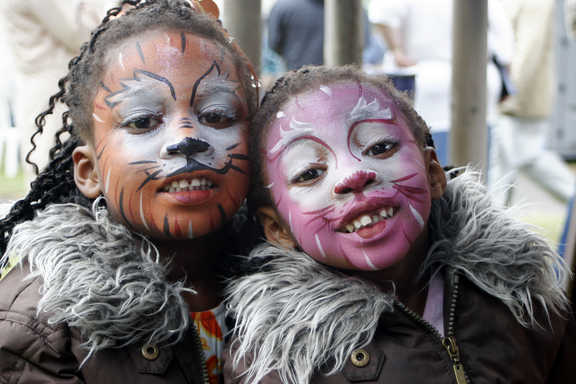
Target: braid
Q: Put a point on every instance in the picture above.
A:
(55, 184)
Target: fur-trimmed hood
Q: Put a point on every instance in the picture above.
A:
(100, 278)
(295, 315)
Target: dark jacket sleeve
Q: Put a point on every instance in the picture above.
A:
(564, 370)
(276, 34)
(31, 350)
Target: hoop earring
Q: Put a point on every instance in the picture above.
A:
(99, 208)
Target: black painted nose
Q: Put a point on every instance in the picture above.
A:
(188, 147)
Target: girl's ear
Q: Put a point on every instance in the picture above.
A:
(85, 172)
(436, 173)
(274, 229)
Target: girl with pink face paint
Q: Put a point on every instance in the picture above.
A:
(377, 269)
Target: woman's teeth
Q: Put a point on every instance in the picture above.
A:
(369, 219)
(189, 185)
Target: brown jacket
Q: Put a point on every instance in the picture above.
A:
(492, 348)
(506, 319)
(34, 351)
(84, 282)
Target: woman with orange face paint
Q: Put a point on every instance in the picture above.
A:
(112, 265)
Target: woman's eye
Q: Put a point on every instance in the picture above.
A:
(308, 175)
(144, 123)
(382, 149)
(217, 118)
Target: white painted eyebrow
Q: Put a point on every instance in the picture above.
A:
(213, 86)
(373, 110)
(296, 130)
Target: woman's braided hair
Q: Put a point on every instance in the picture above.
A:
(55, 184)
(300, 81)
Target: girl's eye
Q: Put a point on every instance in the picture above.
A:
(217, 118)
(145, 123)
(382, 149)
(308, 176)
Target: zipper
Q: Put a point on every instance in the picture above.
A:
(448, 342)
(200, 350)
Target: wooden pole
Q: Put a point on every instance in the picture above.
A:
(468, 131)
(242, 18)
(343, 32)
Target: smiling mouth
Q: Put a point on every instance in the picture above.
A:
(368, 219)
(185, 185)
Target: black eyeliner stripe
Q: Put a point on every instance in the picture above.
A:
(238, 156)
(105, 87)
(142, 162)
(166, 226)
(197, 83)
(232, 146)
(222, 213)
(183, 41)
(159, 78)
(140, 53)
(150, 177)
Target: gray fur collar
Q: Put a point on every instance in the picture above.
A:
(100, 278)
(296, 315)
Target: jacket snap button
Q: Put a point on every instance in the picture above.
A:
(150, 352)
(360, 358)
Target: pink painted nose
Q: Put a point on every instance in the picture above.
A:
(355, 183)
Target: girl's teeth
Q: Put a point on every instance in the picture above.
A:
(189, 185)
(367, 220)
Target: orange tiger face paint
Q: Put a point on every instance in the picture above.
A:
(170, 135)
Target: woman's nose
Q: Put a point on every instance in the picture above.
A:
(355, 183)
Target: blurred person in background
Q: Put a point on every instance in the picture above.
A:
(296, 33)
(44, 35)
(418, 35)
(570, 12)
(519, 138)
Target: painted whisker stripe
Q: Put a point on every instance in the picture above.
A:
(99, 155)
(222, 213)
(166, 229)
(182, 42)
(404, 178)
(143, 162)
(107, 182)
(140, 53)
(232, 146)
(149, 178)
(121, 206)
(142, 214)
(238, 169)
(239, 156)
(104, 87)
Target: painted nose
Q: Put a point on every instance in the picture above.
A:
(355, 183)
(188, 146)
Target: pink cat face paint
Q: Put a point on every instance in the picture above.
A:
(348, 177)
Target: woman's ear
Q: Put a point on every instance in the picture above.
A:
(85, 172)
(274, 229)
(436, 173)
